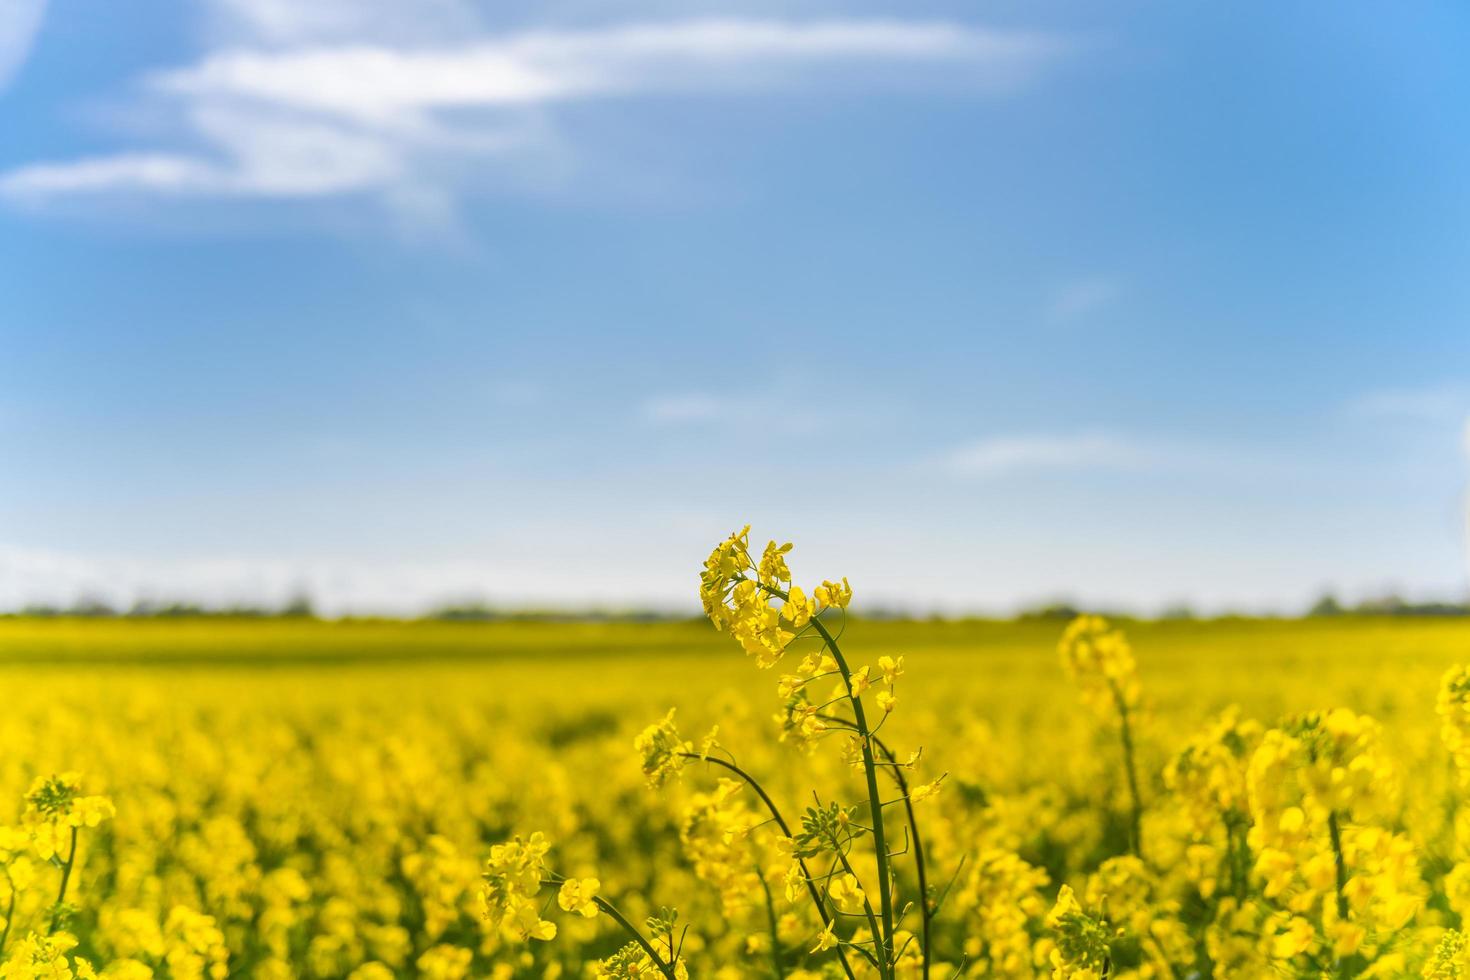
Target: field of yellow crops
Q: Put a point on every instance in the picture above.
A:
(297, 798)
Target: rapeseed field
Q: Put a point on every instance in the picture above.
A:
(799, 792)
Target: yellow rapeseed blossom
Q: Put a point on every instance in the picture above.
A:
(1451, 959)
(756, 602)
(1079, 949)
(513, 876)
(37, 957)
(56, 809)
(834, 595)
(663, 751)
(194, 946)
(1100, 660)
(1453, 705)
(579, 895)
(1208, 775)
(845, 892)
(1003, 892)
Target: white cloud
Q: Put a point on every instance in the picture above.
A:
(1001, 456)
(293, 22)
(1081, 297)
(130, 171)
(687, 408)
(375, 82)
(1442, 403)
(20, 20)
(310, 100)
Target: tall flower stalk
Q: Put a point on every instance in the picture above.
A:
(758, 604)
(1101, 662)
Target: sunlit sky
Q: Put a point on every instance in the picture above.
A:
(981, 304)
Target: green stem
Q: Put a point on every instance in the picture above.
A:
(875, 804)
(1135, 817)
(1240, 857)
(785, 832)
(9, 913)
(71, 859)
(925, 909)
(775, 929)
(664, 968)
(1341, 865)
(925, 912)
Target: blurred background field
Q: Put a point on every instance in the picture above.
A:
(1268, 664)
(1005, 672)
(377, 761)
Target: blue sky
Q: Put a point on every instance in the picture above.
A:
(981, 304)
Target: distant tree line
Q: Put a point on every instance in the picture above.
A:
(1328, 605)
(1389, 605)
(297, 607)
(300, 606)
(482, 612)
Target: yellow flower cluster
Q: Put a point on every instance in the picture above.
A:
(1454, 716)
(1002, 894)
(756, 602)
(1080, 945)
(716, 835)
(56, 810)
(1296, 821)
(1208, 776)
(46, 958)
(513, 877)
(1451, 960)
(1100, 660)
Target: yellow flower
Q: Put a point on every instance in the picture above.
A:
(578, 895)
(892, 669)
(56, 809)
(1451, 959)
(833, 595)
(845, 892)
(826, 940)
(1346, 938)
(773, 570)
(513, 876)
(445, 962)
(920, 793)
(1297, 939)
(1099, 658)
(1081, 940)
(1453, 706)
(795, 882)
(798, 609)
(663, 751)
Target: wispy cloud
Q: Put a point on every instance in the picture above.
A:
(311, 100)
(1095, 450)
(1080, 298)
(277, 23)
(684, 409)
(1000, 456)
(20, 20)
(1447, 403)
